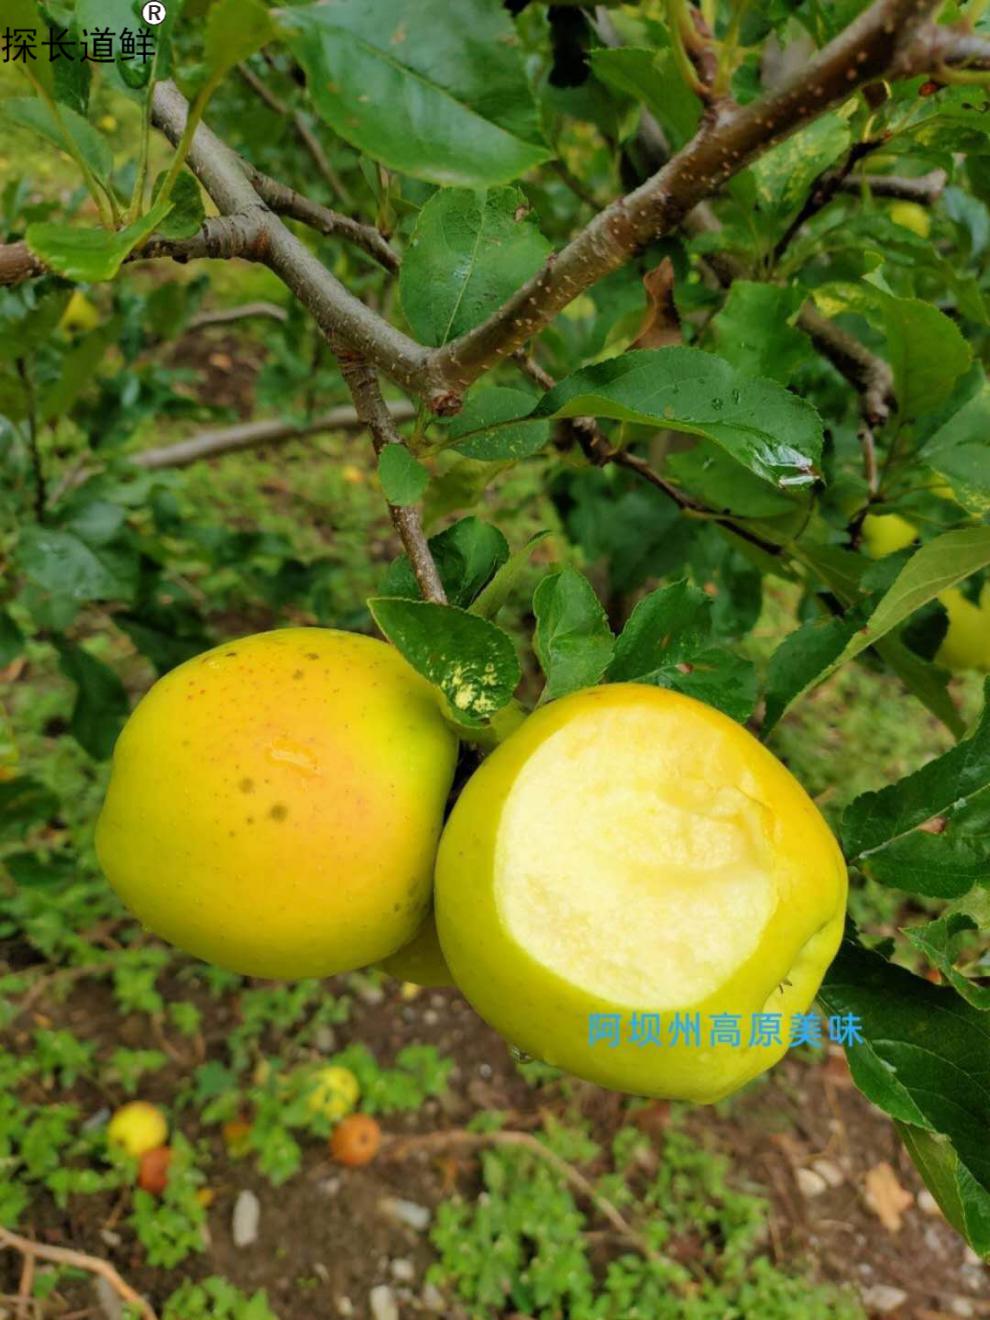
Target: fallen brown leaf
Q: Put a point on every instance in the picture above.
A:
(885, 1196)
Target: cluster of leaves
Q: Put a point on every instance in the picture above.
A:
(522, 1241)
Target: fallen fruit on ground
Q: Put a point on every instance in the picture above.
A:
(632, 851)
(137, 1127)
(421, 961)
(966, 644)
(355, 1140)
(275, 803)
(153, 1170)
(334, 1093)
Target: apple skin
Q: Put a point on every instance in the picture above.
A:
(966, 644)
(886, 533)
(636, 744)
(137, 1127)
(421, 961)
(274, 804)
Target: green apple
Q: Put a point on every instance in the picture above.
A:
(630, 850)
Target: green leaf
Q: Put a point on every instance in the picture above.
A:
(91, 254)
(925, 348)
(24, 802)
(235, 29)
(469, 251)
(101, 705)
(938, 941)
(880, 830)
(466, 554)
(29, 871)
(77, 371)
(403, 479)
(72, 571)
(959, 450)
(25, 17)
(754, 331)
(939, 564)
(757, 422)
(442, 100)
(32, 113)
(470, 660)
(651, 79)
(667, 642)
(925, 1061)
(485, 422)
(498, 590)
(11, 639)
(187, 212)
(784, 174)
(573, 641)
(799, 659)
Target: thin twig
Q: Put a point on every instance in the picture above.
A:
(925, 188)
(400, 1147)
(284, 200)
(248, 435)
(821, 192)
(77, 1260)
(371, 408)
(225, 315)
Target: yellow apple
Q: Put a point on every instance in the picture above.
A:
(886, 533)
(79, 314)
(913, 216)
(334, 1093)
(274, 804)
(966, 644)
(632, 851)
(137, 1128)
(421, 961)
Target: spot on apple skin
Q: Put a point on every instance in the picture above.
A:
(279, 811)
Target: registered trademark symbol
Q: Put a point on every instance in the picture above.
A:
(153, 13)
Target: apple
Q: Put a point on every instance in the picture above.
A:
(274, 804)
(334, 1092)
(421, 961)
(886, 533)
(966, 644)
(630, 850)
(137, 1127)
(913, 216)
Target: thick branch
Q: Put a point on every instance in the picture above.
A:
(336, 311)
(270, 431)
(935, 48)
(726, 143)
(284, 200)
(374, 413)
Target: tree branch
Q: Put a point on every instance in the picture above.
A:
(80, 1261)
(243, 312)
(375, 415)
(270, 431)
(926, 188)
(284, 200)
(866, 50)
(336, 311)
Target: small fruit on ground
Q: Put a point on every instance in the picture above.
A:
(334, 1092)
(274, 804)
(421, 961)
(236, 1134)
(966, 644)
(137, 1127)
(153, 1170)
(355, 1140)
(631, 851)
(886, 533)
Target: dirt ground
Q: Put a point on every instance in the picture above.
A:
(843, 1195)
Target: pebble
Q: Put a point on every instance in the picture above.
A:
(382, 1302)
(244, 1223)
(433, 1299)
(403, 1271)
(97, 1120)
(325, 1039)
(810, 1183)
(111, 1307)
(927, 1203)
(371, 994)
(831, 1172)
(883, 1297)
(431, 1017)
(111, 1238)
(960, 1306)
(345, 1306)
(329, 1186)
(405, 1212)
